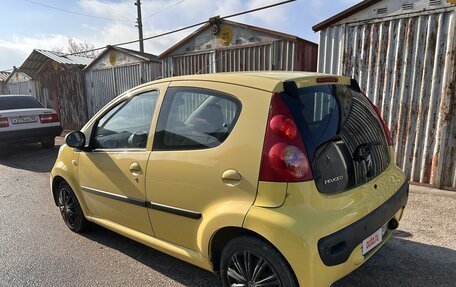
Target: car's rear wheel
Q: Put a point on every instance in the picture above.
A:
(248, 261)
(48, 143)
(70, 209)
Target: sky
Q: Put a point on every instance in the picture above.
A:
(26, 25)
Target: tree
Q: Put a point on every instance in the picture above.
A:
(79, 48)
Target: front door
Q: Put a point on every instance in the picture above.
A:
(112, 176)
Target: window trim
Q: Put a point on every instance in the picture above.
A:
(122, 102)
(166, 108)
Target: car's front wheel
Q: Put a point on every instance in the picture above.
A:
(248, 261)
(48, 143)
(70, 209)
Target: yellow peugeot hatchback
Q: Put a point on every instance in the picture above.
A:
(267, 179)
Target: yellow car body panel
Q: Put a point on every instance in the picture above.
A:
(307, 215)
(109, 171)
(66, 168)
(174, 177)
(291, 216)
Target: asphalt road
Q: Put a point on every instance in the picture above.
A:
(36, 248)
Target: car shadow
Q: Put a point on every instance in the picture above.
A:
(401, 262)
(178, 270)
(31, 157)
(404, 262)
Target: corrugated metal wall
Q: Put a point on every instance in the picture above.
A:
(21, 88)
(62, 89)
(103, 85)
(251, 58)
(406, 65)
(283, 55)
(198, 63)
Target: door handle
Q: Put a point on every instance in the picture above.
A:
(135, 168)
(231, 177)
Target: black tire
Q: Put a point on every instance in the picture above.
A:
(48, 143)
(70, 209)
(266, 264)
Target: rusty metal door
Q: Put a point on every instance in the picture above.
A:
(406, 66)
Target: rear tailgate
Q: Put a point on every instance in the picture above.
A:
(342, 132)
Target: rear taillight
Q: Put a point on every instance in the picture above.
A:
(49, 118)
(4, 123)
(284, 156)
(384, 125)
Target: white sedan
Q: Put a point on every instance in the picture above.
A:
(24, 119)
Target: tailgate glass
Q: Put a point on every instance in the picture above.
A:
(343, 135)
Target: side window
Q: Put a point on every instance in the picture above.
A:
(194, 118)
(127, 125)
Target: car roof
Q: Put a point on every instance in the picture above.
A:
(267, 80)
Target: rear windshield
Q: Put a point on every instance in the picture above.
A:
(19, 102)
(342, 133)
(317, 114)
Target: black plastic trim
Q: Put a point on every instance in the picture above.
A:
(114, 196)
(174, 210)
(336, 248)
(151, 205)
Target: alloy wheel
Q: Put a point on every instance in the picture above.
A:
(67, 206)
(249, 269)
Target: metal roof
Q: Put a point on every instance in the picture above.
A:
(38, 57)
(4, 76)
(344, 14)
(16, 70)
(145, 56)
(209, 24)
(142, 56)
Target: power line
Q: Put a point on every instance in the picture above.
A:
(164, 9)
(212, 62)
(183, 28)
(79, 13)
(189, 27)
(257, 9)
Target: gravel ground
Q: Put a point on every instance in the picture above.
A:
(422, 252)
(36, 248)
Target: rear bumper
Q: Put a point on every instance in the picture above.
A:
(30, 134)
(336, 248)
(308, 220)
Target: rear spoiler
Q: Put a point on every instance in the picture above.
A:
(291, 88)
(355, 86)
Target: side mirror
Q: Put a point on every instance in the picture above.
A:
(75, 139)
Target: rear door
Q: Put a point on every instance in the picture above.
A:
(204, 166)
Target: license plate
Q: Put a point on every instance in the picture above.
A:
(370, 242)
(24, 120)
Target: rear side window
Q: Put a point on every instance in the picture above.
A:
(193, 118)
(19, 102)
